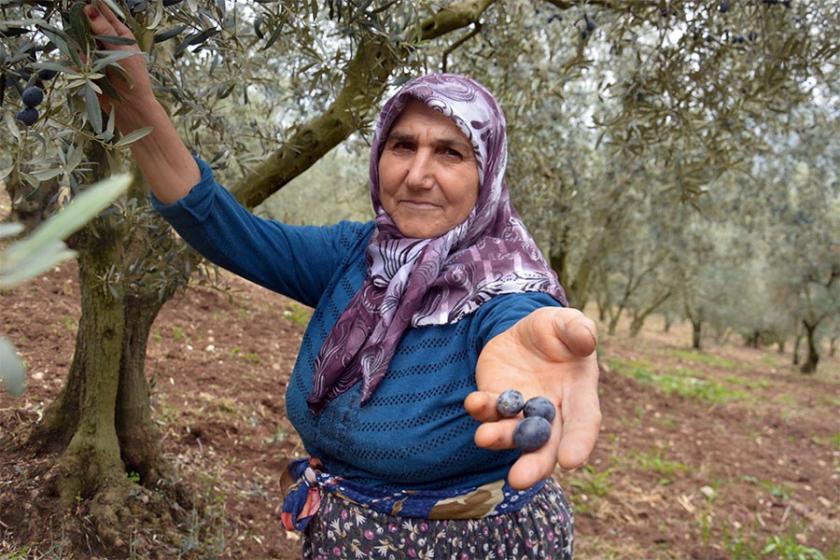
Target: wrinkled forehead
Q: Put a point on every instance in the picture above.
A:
(464, 101)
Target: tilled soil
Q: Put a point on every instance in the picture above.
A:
(673, 476)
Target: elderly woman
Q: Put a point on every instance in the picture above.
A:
(423, 317)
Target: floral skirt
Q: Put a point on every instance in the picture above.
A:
(542, 529)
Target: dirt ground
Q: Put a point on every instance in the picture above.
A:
(728, 453)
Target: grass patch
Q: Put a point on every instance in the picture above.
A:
(657, 460)
(786, 547)
(592, 482)
(748, 383)
(178, 334)
(70, 324)
(777, 547)
(706, 359)
(682, 381)
(236, 352)
(298, 314)
(590, 485)
(780, 491)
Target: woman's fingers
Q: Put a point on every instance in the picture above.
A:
(481, 405)
(103, 22)
(496, 435)
(537, 465)
(119, 27)
(581, 414)
(577, 331)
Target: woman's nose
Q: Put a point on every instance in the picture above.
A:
(420, 174)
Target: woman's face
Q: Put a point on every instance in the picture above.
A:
(428, 174)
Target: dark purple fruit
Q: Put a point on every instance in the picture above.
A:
(32, 96)
(531, 433)
(510, 403)
(724, 6)
(46, 74)
(541, 407)
(27, 116)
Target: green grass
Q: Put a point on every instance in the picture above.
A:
(657, 460)
(780, 491)
(831, 441)
(682, 381)
(178, 333)
(590, 486)
(253, 357)
(748, 383)
(787, 548)
(706, 359)
(298, 314)
(592, 482)
(70, 324)
(777, 547)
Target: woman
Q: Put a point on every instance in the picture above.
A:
(422, 317)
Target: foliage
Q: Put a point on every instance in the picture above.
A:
(43, 249)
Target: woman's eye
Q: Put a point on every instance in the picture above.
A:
(453, 153)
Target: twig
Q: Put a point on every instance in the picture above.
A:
(459, 42)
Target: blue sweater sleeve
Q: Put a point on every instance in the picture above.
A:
(503, 311)
(296, 261)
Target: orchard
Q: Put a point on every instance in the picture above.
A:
(650, 142)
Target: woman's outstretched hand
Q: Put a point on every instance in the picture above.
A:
(551, 352)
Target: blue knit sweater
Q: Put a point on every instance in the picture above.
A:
(414, 433)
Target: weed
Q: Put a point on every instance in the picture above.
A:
(779, 491)
(789, 401)
(748, 383)
(706, 359)
(683, 381)
(787, 548)
(668, 422)
(178, 333)
(592, 482)
(657, 461)
(70, 324)
(298, 314)
(19, 554)
(740, 548)
(237, 352)
(134, 477)
(833, 441)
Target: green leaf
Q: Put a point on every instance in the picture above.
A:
(36, 264)
(54, 66)
(115, 8)
(76, 214)
(47, 174)
(94, 111)
(12, 371)
(134, 136)
(10, 229)
(112, 58)
(79, 28)
(115, 40)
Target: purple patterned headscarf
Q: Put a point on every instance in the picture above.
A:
(418, 282)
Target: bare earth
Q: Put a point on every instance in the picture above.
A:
(723, 454)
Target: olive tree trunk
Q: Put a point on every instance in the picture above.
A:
(813, 357)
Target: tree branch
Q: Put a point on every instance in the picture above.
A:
(367, 77)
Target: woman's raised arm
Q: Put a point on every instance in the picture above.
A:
(162, 156)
